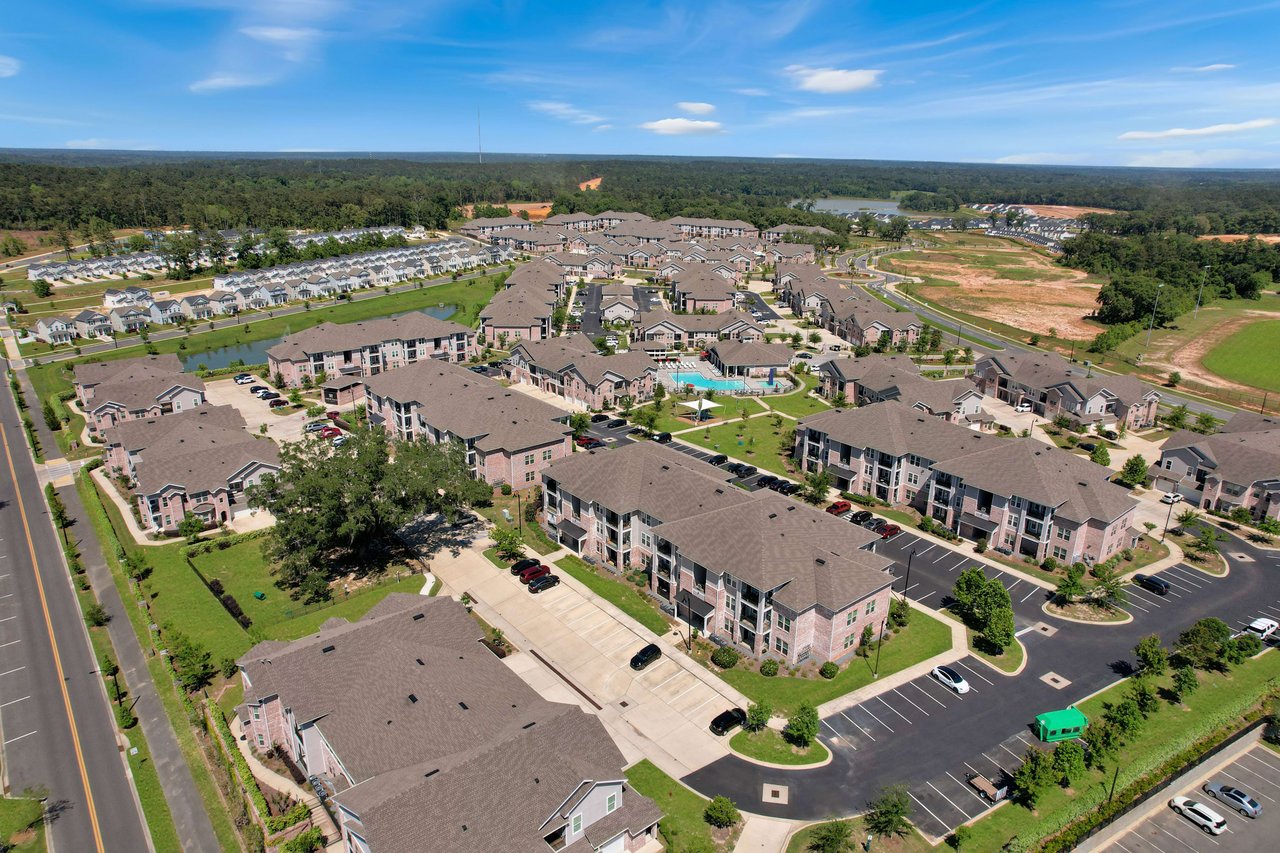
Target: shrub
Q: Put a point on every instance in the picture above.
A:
(305, 842)
(725, 657)
(981, 545)
(722, 812)
(758, 714)
(1049, 564)
(769, 668)
(829, 670)
(125, 717)
(96, 616)
(506, 489)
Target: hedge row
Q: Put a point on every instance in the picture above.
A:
(274, 823)
(221, 543)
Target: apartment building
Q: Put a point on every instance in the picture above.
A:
(1053, 387)
(134, 389)
(697, 290)
(877, 378)
(572, 367)
(1238, 466)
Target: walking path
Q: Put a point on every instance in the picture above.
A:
(284, 785)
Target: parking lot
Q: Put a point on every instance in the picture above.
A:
(590, 296)
(1257, 772)
(753, 301)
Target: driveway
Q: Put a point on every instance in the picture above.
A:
(225, 392)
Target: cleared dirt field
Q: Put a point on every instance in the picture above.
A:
(593, 184)
(1003, 281)
(1063, 211)
(1236, 238)
(538, 210)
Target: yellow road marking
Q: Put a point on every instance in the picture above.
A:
(57, 659)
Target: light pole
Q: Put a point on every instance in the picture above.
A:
(906, 585)
(1167, 517)
(880, 645)
(1154, 306)
(1203, 279)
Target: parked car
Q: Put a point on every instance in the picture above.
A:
(315, 426)
(805, 355)
(1022, 407)
(778, 485)
(277, 403)
(537, 585)
(582, 440)
(533, 573)
(615, 423)
(593, 444)
(1234, 797)
(663, 438)
(735, 468)
(479, 368)
(269, 395)
(1199, 814)
(1111, 435)
(254, 389)
(340, 440)
(244, 379)
(1151, 583)
(645, 656)
(746, 471)
(877, 526)
(727, 721)
(789, 489)
(862, 516)
(599, 418)
(950, 678)
(333, 415)
(840, 508)
(1262, 628)
(718, 459)
(889, 531)
(766, 480)
(1170, 498)
(521, 565)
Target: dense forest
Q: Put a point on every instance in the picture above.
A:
(43, 189)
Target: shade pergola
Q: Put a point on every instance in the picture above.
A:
(700, 407)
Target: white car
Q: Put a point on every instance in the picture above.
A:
(1022, 407)
(1170, 498)
(1262, 628)
(1199, 814)
(951, 678)
(245, 379)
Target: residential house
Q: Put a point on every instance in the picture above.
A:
(572, 368)
(439, 745)
(117, 298)
(699, 291)
(767, 575)
(1238, 466)
(618, 304)
(111, 392)
(92, 324)
(129, 319)
(1054, 387)
(55, 331)
(509, 436)
(676, 332)
(166, 311)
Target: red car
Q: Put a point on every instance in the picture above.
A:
(889, 531)
(583, 440)
(839, 507)
(533, 573)
(334, 415)
(277, 404)
(330, 432)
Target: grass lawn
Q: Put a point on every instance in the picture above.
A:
(1169, 729)
(798, 403)
(535, 538)
(491, 554)
(769, 745)
(1007, 662)
(351, 607)
(626, 596)
(730, 407)
(911, 843)
(1236, 358)
(756, 441)
(922, 639)
(683, 821)
(21, 825)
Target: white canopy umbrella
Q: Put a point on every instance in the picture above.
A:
(701, 407)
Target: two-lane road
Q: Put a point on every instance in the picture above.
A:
(55, 721)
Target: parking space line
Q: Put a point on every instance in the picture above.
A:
(940, 821)
(1133, 593)
(8, 618)
(1176, 838)
(844, 740)
(13, 702)
(858, 727)
(893, 709)
(20, 737)
(975, 672)
(927, 693)
(948, 691)
(874, 717)
(1020, 737)
(1028, 595)
(1016, 581)
(1011, 752)
(1181, 577)
(1139, 606)
(926, 595)
(969, 788)
(949, 800)
(10, 643)
(912, 704)
(1258, 758)
(1234, 779)
(1259, 775)
(993, 761)
(10, 671)
(932, 545)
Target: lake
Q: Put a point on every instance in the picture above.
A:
(855, 205)
(255, 352)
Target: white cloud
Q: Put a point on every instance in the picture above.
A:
(752, 92)
(1204, 69)
(697, 108)
(293, 41)
(1186, 159)
(1211, 130)
(218, 81)
(831, 81)
(600, 127)
(9, 66)
(565, 112)
(113, 144)
(1041, 158)
(681, 126)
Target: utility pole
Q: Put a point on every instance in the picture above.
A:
(880, 645)
(1203, 278)
(1154, 306)
(1167, 518)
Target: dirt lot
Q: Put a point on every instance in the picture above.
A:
(1235, 238)
(593, 184)
(1063, 211)
(538, 210)
(1185, 355)
(1005, 282)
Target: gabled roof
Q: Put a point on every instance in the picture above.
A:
(1247, 455)
(751, 353)
(897, 429)
(338, 337)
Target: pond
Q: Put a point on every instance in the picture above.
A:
(255, 352)
(856, 205)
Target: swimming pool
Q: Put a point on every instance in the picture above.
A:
(706, 383)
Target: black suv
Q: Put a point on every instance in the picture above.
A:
(645, 656)
(862, 516)
(1151, 583)
(718, 459)
(727, 721)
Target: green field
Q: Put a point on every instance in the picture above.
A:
(799, 403)
(1248, 356)
(769, 745)
(756, 441)
(21, 816)
(682, 825)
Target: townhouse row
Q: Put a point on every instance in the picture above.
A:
(1236, 467)
(113, 392)
(845, 310)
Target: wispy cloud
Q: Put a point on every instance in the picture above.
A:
(565, 112)
(110, 144)
(1186, 159)
(1211, 130)
(1042, 158)
(800, 114)
(30, 119)
(697, 108)
(682, 126)
(752, 92)
(600, 127)
(293, 41)
(9, 66)
(830, 81)
(1203, 69)
(219, 81)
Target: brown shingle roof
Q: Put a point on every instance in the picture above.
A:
(338, 337)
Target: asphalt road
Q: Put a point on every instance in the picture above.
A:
(57, 726)
(929, 738)
(591, 296)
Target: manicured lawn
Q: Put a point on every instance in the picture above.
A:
(535, 538)
(910, 843)
(621, 594)
(1007, 662)
(351, 607)
(491, 554)
(683, 821)
(1169, 729)
(799, 403)
(21, 816)
(756, 441)
(920, 640)
(769, 745)
(731, 407)
(1236, 358)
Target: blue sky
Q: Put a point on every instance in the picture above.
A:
(1117, 83)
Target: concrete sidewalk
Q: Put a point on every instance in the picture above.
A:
(765, 834)
(266, 777)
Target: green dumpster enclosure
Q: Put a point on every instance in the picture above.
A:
(1066, 724)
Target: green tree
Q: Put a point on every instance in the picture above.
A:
(889, 812)
(659, 394)
(1201, 645)
(758, 714)
(579, 422)
(1206, 423)
(1126, 716)
(1032, 776)
(191, 527)
(1143, 695)
(1239, 649)
(1134, 472)
(802, 727)
(721, 812)
(1187, 517)
(1068, 762)
(1177, 417)
(968, 587)
(1108, 587)
(1071, 587)
(815, 338)
(1100, 455)
(1153, 660)
(1174, 378)
(998, 632)
(190, 659)
(816, 484)
(508, 542)
(1185, 682)
(834, 836)
(646, 418)
(959, 837)
(96, 616)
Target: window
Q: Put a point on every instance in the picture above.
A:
(261, 741)
(577, 824)
(530, 476)
(783, 622)
(850, 640)
(1064, 534)
(1059, 553)
(1015, 502)
(646, 541)
(871, 607)
(850, 617)
(913, 478)
(781, 646)
(257, 712)
(610, 803)
(528, 459)
(546, 455)
(869, 469)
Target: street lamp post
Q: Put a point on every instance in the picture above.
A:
(1167, 517)
(1152, 326)
(1203, 279)
(880, 645)
(907, 583)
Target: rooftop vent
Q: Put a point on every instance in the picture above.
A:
(463, 706)
(430, 773)
(819, 561)
(413, 699)
(418, 616)
(327, 649)
(529, 725)
(1082, 483)
(773, 515)
(420, 663)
